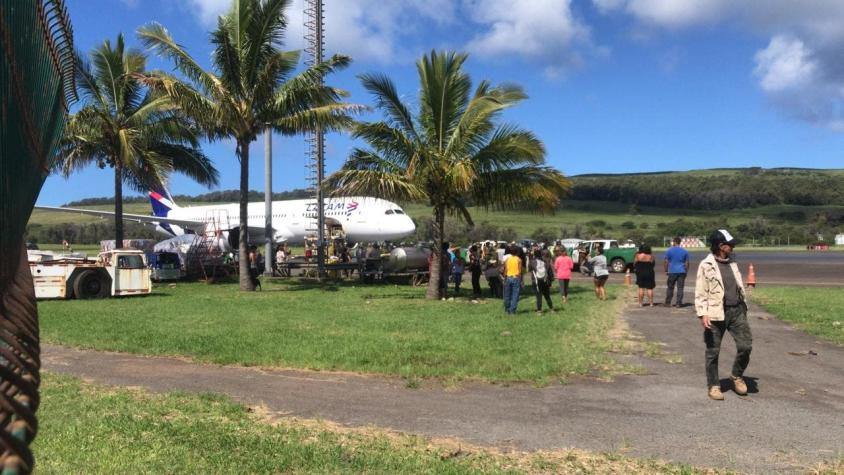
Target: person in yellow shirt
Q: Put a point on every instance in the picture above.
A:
(512, 265)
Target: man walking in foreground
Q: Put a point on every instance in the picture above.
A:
(676, 265)
(721, 308)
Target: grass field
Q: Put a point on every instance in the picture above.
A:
(372, 329)
(95, 429)
(816, 311)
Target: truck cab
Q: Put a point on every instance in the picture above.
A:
(619, 258)
(118, 272)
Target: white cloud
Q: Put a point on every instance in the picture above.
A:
(671, 13)
(544, 30)
(799, 70)
(209, 10)
(785, 64)
(367, 30)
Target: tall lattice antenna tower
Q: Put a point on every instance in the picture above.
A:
(314, 41)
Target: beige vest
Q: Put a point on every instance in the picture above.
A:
(709, 288)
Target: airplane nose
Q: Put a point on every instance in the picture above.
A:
(408, 226)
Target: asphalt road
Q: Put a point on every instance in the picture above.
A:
(825, 269)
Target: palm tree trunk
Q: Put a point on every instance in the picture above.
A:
(243, 241)
(118, 204)
(437, 231)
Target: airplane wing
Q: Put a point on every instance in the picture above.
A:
(138, 218)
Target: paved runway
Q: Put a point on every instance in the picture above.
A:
(807, 268)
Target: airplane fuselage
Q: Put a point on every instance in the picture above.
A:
(362, 219)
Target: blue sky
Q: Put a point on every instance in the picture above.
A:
(614, 85)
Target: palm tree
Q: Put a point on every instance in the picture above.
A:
(451, 152)
(253, 87)
(126, 126)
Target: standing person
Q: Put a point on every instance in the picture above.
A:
(475, 270)
(676, 265)
(458, 267)
(643, 265)
(492, 274)
(253, 267)
(542, 275)
(599, 268)
(279, 260)
(308, 252)
(563, 264)
(445, 270)
(720, 306)
(512, 280)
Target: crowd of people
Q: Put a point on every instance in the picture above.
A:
(504, 270)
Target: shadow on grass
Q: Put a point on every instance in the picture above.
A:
(299, 285)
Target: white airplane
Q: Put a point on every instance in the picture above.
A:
(362, 219)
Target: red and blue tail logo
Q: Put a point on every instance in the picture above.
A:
(161, 206)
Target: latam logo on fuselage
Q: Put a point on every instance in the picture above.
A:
(349, 207)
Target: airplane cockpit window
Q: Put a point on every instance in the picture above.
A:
(389, 211)
(398, 211)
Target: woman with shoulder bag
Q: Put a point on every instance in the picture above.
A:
(541, 271)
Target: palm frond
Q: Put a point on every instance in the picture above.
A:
(227, 59)
(332, 117)
(190, 162)
(210, 115)
(277, 67)
(526, 187)
(387, 99)
(386, 185)
(156, 38)
(509, 146)
(265, 32)
(387, 140)
(444, 95)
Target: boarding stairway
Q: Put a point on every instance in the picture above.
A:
(208, 257)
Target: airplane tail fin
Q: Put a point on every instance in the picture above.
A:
(161, 202)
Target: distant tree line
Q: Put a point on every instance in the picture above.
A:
(87, 233)
(730, 189)
(212, 197)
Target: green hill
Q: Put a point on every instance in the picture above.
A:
(715, 189)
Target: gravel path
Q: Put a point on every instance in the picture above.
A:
(792, 420)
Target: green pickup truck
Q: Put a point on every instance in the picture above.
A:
(619, 258)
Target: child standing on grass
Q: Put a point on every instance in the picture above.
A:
(458, 266)
(563, 264)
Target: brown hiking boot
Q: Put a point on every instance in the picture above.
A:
(739, 386)
(715, 393)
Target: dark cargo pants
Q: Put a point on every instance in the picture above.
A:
(680, 281)
(735, 322)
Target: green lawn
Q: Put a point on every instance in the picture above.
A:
(816, 311)
(95, 429)
(365, 328)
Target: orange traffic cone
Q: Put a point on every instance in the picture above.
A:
(751, 277)
(627, 279)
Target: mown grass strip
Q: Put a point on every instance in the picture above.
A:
(811, 309)
(95, 429)
(383, 329)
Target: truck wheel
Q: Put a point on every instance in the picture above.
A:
(90, 284)
(618, 265)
